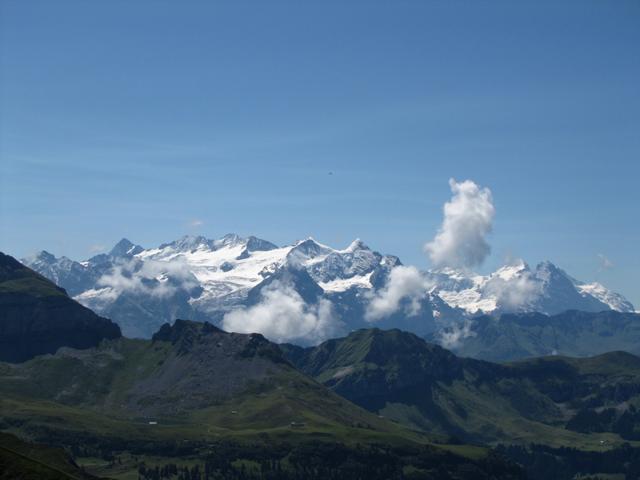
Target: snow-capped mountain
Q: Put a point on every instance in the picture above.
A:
(519, 288)
(199, 278)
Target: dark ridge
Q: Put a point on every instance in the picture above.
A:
(182, 328)
(37, 317)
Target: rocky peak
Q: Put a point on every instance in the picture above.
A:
(357, 244)
(44, 257)
(229, 240)
(125, 248)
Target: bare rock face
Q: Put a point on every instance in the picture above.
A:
(37, 317)
(204, 365)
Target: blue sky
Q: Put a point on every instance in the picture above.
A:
(137, 118)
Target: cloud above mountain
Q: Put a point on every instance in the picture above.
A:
(461, 241)
(283, 316)
(195, 223)
(605, 263)
(404, 282)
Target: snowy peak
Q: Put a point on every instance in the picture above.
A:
(517, 288)
(547, 272)
(255, 244)
(200, 278)
(356, 245)
(229, 240)
(71, 275)
(513, 270)
(188, 243)
(613, 300)
(44, 257)
(309, 249)
(125, 248)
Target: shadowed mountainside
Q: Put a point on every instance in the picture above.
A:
(423, 386)
(572, 333)
(37, 317)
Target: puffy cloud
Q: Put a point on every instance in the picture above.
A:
(283, 316)
(468, 219)
(515, 293)
(453, 336)
(404, 282)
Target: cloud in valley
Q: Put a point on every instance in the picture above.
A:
(283, 316)
(404, 282)
(151, 277)
(453, 336)
(468, 219)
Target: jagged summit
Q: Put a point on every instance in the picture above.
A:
(357, 244)
(181, 329)
(311, 248)
(43, 256)
(188, 242)
(125, 248)
(201, 278)
(228, 240)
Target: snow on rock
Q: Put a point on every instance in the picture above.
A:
(200, 278)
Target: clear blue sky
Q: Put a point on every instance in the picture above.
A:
(135, 118)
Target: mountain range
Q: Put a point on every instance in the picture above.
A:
(203, 279)
(516, 336)
(376, 403)
(194, 393)
(553, 400)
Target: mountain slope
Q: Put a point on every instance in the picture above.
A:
(192, 378)
(204, 279)
(37, 317)
(220, 398)
(24, 461)
(519, 288)
(572, 333)
(423, 386)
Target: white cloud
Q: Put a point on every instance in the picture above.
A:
(404, 282)
(195, 223)
(515, 293)
(96, 248)
(468, 219)
(453, 336)
(150, 277)
(605, 263)
(283, 316)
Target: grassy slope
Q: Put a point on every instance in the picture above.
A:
(16, 278)
(520, 403)
(23, 461)
(87, 391)
(78, 395)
